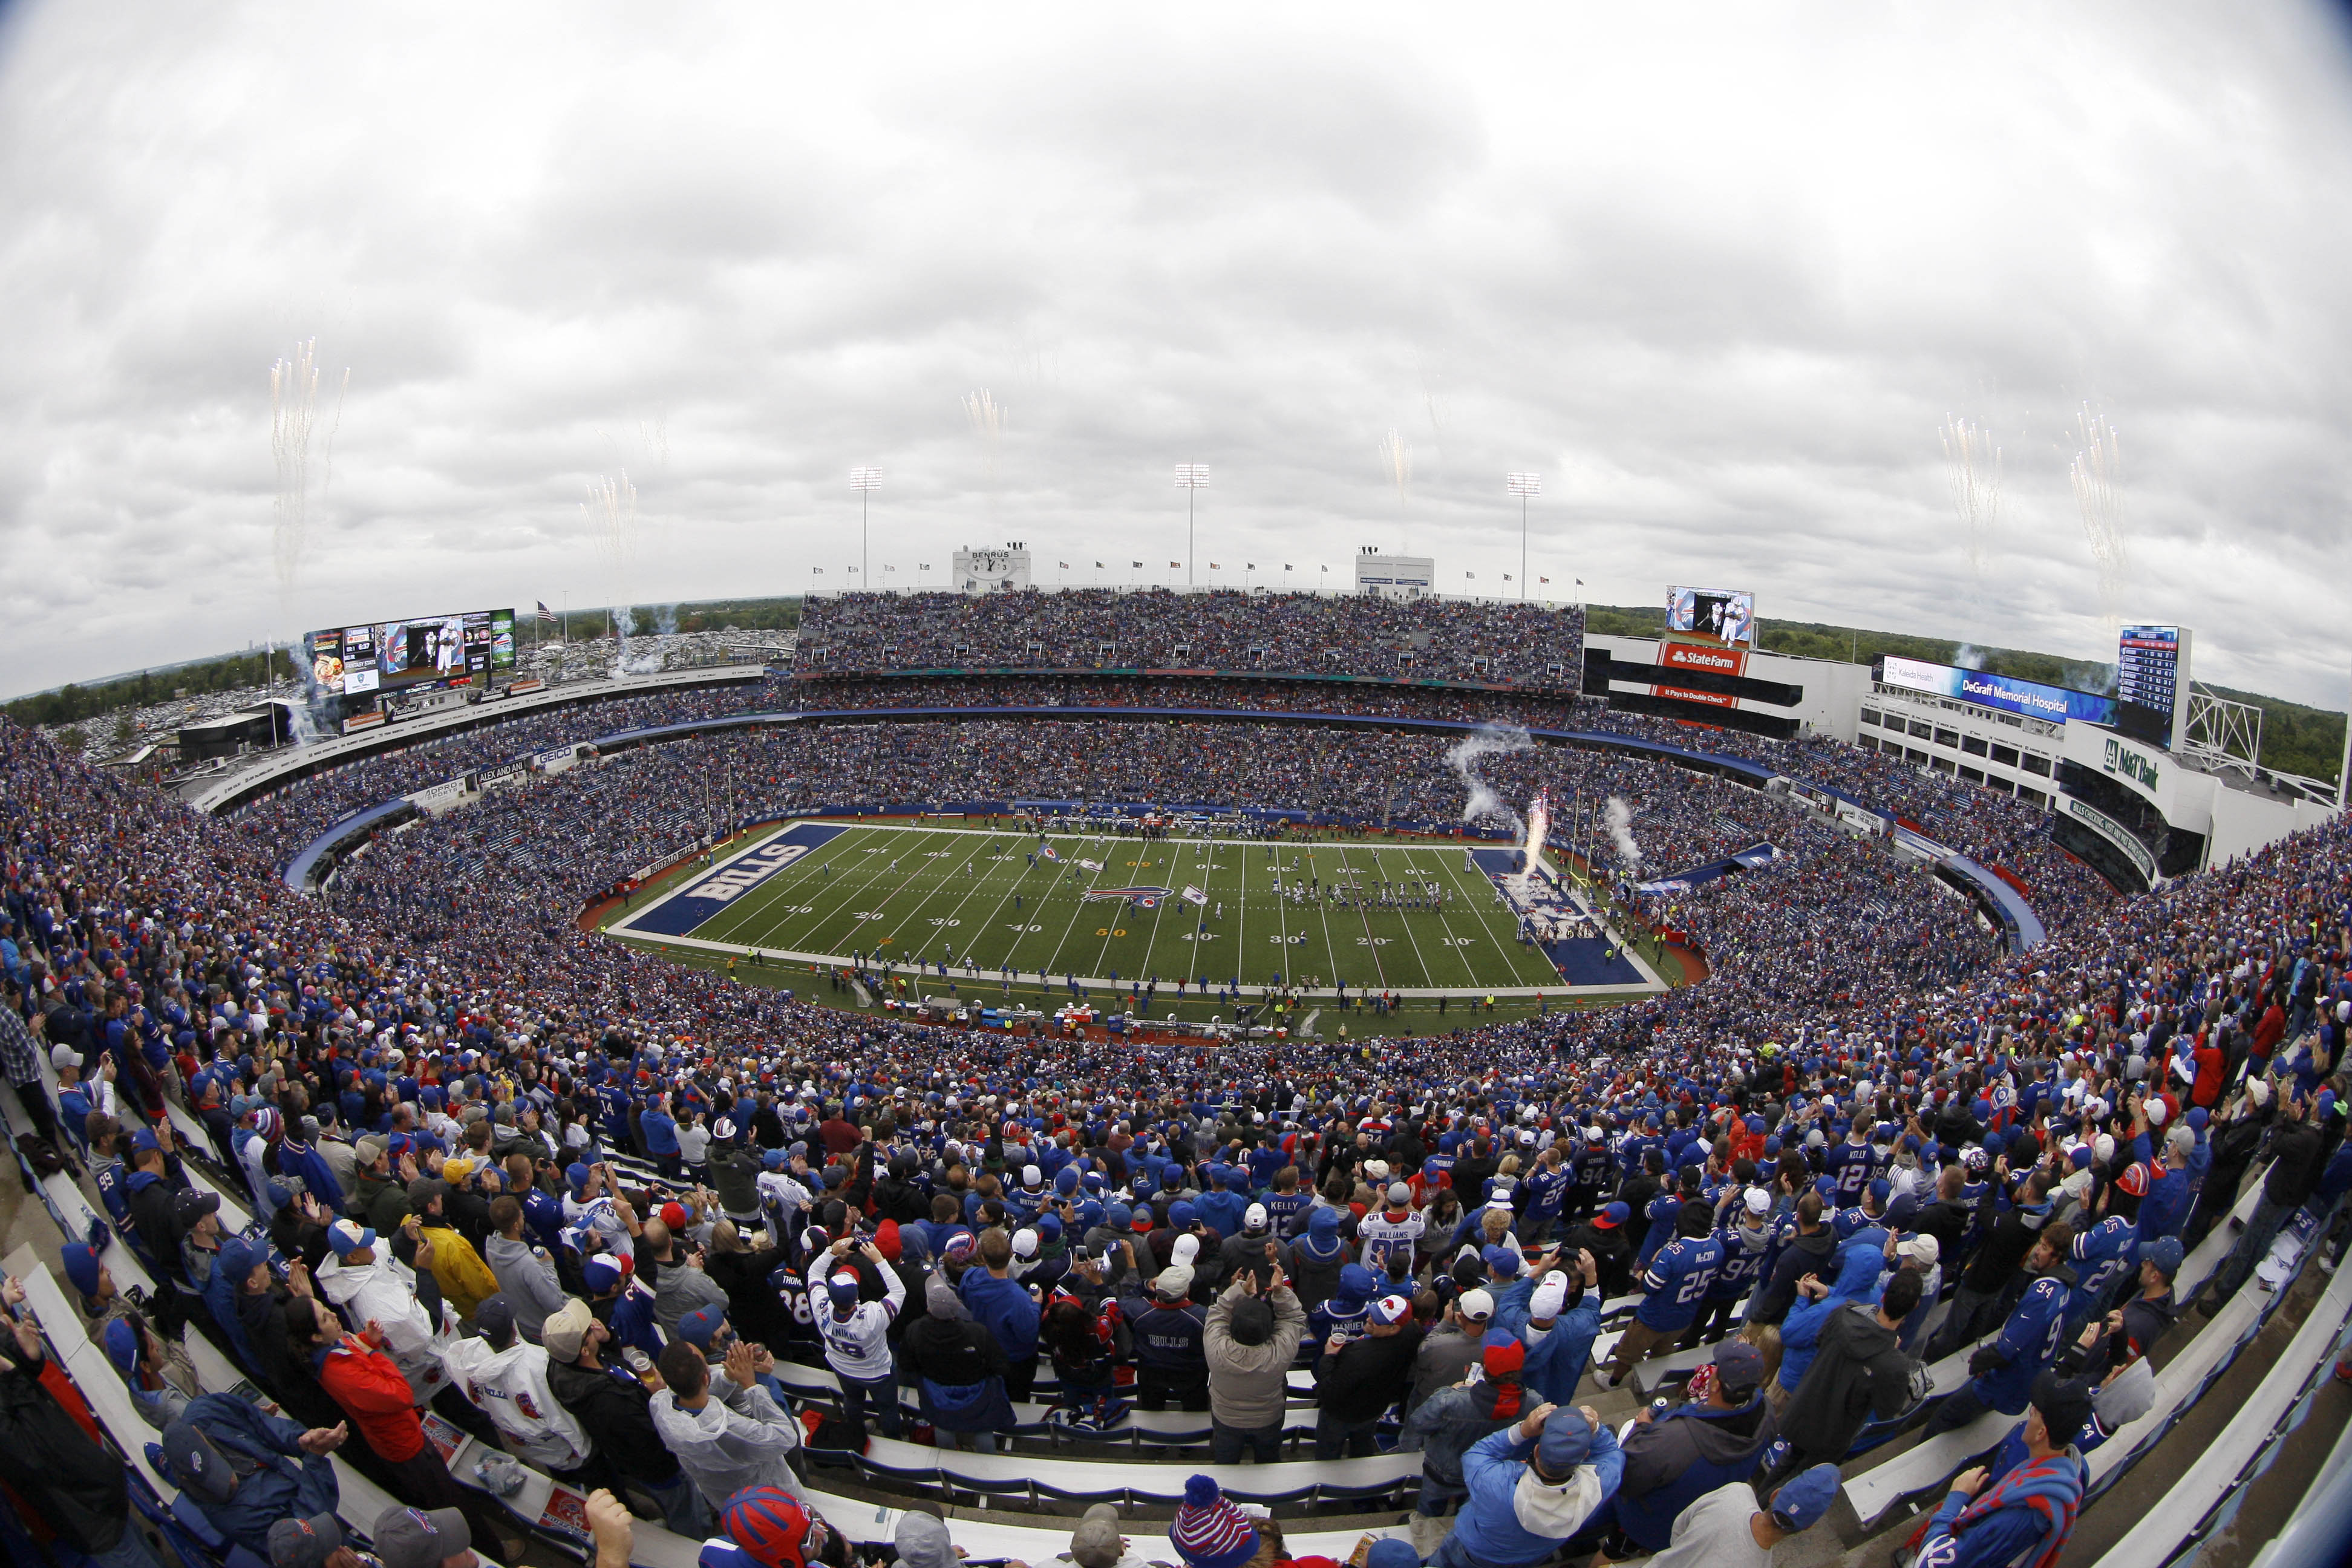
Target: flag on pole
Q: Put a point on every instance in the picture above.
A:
(1065, 565)
(1471, 576)
(1193, 895)
(1507, 576)
(1134, 566)
(1172, 563)
(816, 570)
(1099, 566)
(546, 616)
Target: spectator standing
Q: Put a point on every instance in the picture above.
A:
(1357, 1380)
(726, 1430)
(1858, 1371)
(959, 1369)
(1674, 1459)
(1247, 1343)
(1169, 1335)
(616, 1405)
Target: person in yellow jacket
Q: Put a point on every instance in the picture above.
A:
(465, 1281)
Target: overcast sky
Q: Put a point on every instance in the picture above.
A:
(1718, 277)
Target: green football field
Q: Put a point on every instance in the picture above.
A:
(984, 902)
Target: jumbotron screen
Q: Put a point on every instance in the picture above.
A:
(1726, 613)
(402, 655)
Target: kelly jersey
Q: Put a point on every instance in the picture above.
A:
(1851, 1165)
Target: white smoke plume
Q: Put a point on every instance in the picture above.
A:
(1486, 739)
(1621, 831)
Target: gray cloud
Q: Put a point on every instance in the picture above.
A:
(1719, 282)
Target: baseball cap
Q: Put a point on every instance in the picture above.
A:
(305, 1542)
(189, 1205)
(81, 1268)
(566, 1330)
(1254, 1217)
(495, 1316)
(1477, 1305)
(347, 1237)
(600, 1274)
(1565, 1442)
(423, 1190)
(1174, 1280)
(1550, 1295)
(419, 1537)
(1922, 1250)
(700, 1326)
(195, 1463)
(1738, 1366)
(1504, 1261)
(1096, 1543)
(62, 1055)
(1804, 1498)
(2064, 1404)
(1612, 1216)
(2165, 1252)
(1391, 1310)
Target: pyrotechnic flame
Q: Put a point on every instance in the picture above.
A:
(1973, 464)
(2096, 472)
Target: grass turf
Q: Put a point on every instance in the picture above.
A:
(903, 894)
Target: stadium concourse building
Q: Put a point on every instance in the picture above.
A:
(2138, 794)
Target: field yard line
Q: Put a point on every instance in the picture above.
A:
(1322, 901)
(921, 904)
(840, 841)
(1370, 945)
(1078, 910)
(1487, 885)
(1282, 921)
(1152, 942)
(978, 881)
(1405, 920)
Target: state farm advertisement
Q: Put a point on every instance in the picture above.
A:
(1691, 656)
(1695, 655)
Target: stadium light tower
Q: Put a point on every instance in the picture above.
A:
(865, 481)
(1523, 486)
(1189, 477)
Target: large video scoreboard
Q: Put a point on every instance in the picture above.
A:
(356, 665)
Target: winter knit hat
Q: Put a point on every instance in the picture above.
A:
(1210, 1532)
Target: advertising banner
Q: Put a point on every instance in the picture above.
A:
(1700, 656)
(2115, 832)
(2055, 704)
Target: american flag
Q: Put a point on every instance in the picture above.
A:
(546, 616)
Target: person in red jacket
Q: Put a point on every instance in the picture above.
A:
(360, 1375)
(2212, 1067)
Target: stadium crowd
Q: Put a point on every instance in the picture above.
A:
(1872, 1129)
(1081, 629)
(1367, 699)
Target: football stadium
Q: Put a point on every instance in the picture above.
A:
(724, 917)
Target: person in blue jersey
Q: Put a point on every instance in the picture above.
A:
(1674, 1287)
(1545, 1190)
(1744, 1230)
(2002, 1370)
(2106, 1253)
(1664, 1214)
(1851, 1164)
